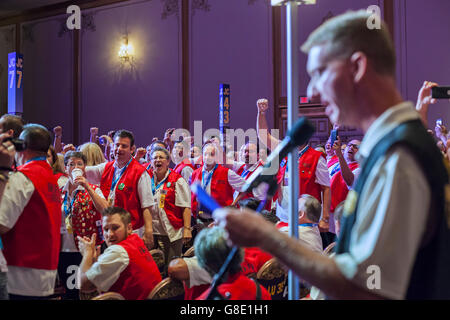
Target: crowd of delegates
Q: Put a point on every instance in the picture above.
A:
(105, 204)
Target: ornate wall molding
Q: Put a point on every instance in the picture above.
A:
(202, 5)
(170, 7)
(27, 32)
(87, 23)
(8, 34)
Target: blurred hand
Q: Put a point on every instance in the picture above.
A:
(424, 97)
(187, 235)
(262, 105)
(7, 151)
(94, 131)
(244, 228)
(148, 239)
(140, 153)
(324, 226)
(337, 146)
(87, 245)
(81, 181)
(57, 131)
(155, 139)
(69, 147)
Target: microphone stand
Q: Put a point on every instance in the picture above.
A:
(219, 277)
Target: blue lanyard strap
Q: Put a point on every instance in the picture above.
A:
(245, 173)
(157, 186)
(113, 185)
(206, 181)
(300, 154)
(68, 209)
(37, 159)
(308, 225)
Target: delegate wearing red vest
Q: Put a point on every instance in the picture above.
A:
(141, 275)
(34, 240)
(126, 191)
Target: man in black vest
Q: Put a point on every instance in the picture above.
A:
(395, 238)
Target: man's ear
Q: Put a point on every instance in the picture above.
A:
(129, 228)
(133, 149)
(358, 62)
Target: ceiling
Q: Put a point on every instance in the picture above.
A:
(9, 8)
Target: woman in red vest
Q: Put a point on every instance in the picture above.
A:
(172, 220)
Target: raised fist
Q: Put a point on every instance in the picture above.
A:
(94, 131)
(263, 105)
(57, 131)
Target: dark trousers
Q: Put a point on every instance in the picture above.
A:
(327, 238)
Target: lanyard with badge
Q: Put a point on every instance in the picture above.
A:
(300, 154)
(206, 179)
(209, 175)
(115, 180)
(37, 159)
(163, 192)
(68, 210)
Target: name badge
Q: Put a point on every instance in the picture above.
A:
(121, 186)
(162, 199)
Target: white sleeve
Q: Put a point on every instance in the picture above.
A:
(186, 173)
(145, 191)
(197, 275)
(99, 192)
(356, 173)
(105, 272)
(94, 173)
(322, 174)
(235, 180)
(390, 223)
(16, 196)
(182, 194)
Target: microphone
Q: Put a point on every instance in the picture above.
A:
(298, 135)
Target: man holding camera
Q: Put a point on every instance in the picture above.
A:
(30, 218)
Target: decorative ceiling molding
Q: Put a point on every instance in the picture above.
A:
(170, 7)
(200, 5)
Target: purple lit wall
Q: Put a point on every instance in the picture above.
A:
(229, 41)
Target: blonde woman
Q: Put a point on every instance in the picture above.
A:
(93, 153)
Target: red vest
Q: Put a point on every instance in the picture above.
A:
(221, 190)
(268, 205)
(179, 167)
(86, 220)
(307, 165)
(174, 213)
(339, 188)
(34, 241)
(128, 197)
(141, 275)
(240, 288)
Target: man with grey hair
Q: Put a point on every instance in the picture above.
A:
(399, 193)
(309, 211)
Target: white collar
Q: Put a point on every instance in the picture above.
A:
(386, 122)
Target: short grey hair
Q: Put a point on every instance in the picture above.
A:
(165, 151)
(347, 33)
(212, 250)
(312, 207)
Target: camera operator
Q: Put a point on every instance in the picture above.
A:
(7, 152)
(30, 218)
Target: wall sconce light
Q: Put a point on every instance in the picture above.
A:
(126, 51)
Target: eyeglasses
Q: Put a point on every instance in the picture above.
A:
(356, 146)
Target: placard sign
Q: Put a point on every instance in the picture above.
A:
(224, 108)
(15, 83)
